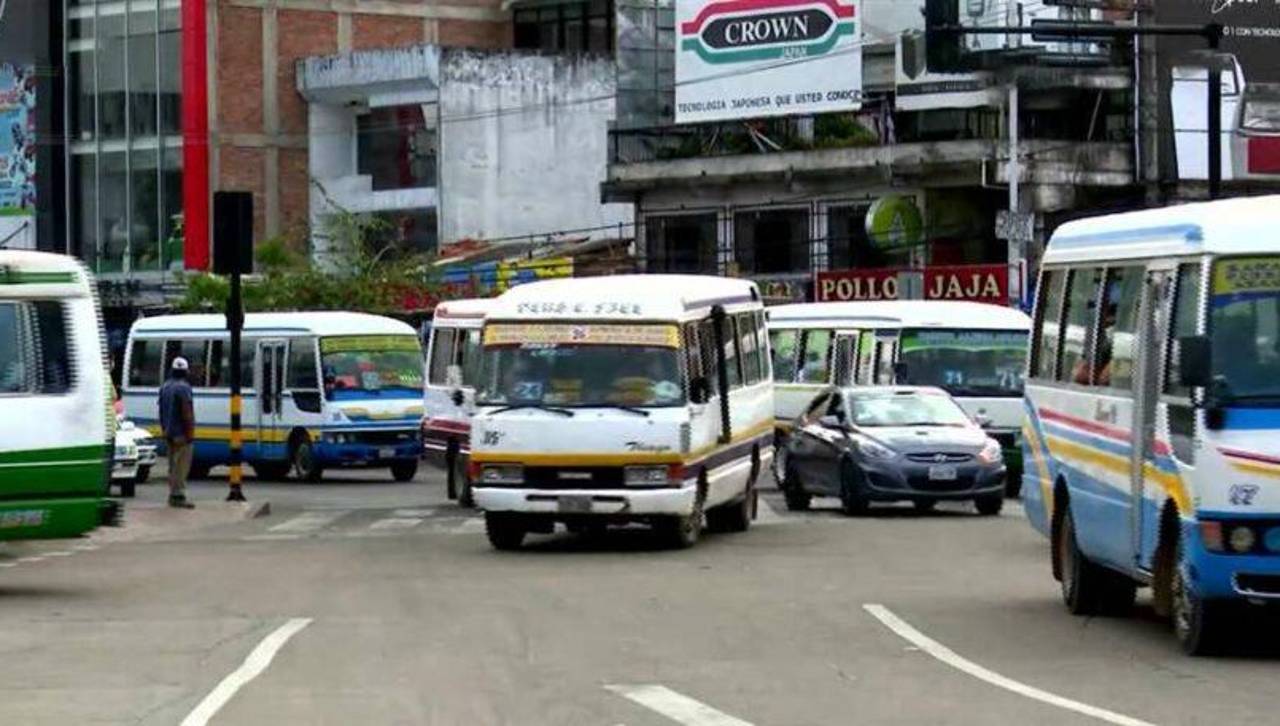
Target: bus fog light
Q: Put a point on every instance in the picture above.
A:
(645, 476)
(1272, 539)
(1242, 539)
(1211, 536)
(502, 474)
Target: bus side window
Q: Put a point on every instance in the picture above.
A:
(762, 343)
(747, 344)
(196, 353)
(442, 355)
(710, 360)
(35, 352)
(468, 342)
(1186, 305)
(816, 352)
(1078, 326)
(1048, 338)
(783, 346)
(732, 359)
(866, 358)
(1113, 360)
(885, 349)
(302, 379)
(144, 363)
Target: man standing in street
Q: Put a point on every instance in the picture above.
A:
(178, 423)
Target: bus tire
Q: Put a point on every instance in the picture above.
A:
(734, 516)
(853, 500)
(128, 488)
(1201, 626)
(1089, 588)
(144, 473)
(793, 493)
(304, 460)
(404, 470)
(505, 531)
(451, 471)
(682, 532)
(466, 497)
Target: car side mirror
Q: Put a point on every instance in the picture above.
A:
(699, 390)
(1195, 361)
(900, 372)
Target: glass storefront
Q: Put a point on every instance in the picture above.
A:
(123, 118)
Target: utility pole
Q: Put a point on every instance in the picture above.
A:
(233, 256)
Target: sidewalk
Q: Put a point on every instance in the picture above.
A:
(149, 516)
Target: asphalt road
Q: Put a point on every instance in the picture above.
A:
(368, 602)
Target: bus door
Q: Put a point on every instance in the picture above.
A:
(1151, 330)
(844, 371)
(270, 382)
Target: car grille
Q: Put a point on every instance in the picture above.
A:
(554, 477)
(940, 458)
(1260, 584)
(925, 484)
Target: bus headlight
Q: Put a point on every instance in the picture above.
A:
(1242, 539)
(991, 453)
(502, 474)
(646, 476)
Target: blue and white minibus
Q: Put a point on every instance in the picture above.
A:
(321, 389)
(1152, 412)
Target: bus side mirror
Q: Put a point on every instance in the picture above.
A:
(1195, 358)
(699, 390)
(458, 397)
(900, 372)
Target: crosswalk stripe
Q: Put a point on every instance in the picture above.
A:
(414, 513)
(676, 706)
(396, 523)
(470, 525)
(309, 521)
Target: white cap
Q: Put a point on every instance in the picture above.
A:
(180, 364)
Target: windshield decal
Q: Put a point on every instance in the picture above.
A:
(369, 344)
(539, 334)
(1243, 278)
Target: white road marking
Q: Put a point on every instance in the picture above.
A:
(59, 553)
(252, 667)
(85, 547)
(471, 525)
(310, 521)
(271, 537)
(960, 663)
(675, 706)
(37, 558)
(396, 523)
(8, 564)
(413, 513)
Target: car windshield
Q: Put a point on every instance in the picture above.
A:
(1244, 323)
(581, 365)
(965, 362)
(906, 409)
(368, 366)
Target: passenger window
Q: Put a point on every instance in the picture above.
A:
(468, 342)
(1186, 308)
(816, 352)
(762, 343)
(885, 349)
(35, 350)
(750, 353)
(442, 355)
(194, 352)
(866, 357)
(1077, 335)
(1113, 359)
(709, 355)
(221, 350)
(784, 346)
(731, 357)
(1049, 325)
(845, 359)
(144, 362)
(302, 365)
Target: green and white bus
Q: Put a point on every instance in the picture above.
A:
(53, 370)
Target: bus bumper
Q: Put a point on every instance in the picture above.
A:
(1224, 575)
(617, 503)
(330, 453)
(52, 518)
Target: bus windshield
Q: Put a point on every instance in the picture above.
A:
(1244, 323)
(581, 366)
(367, 366)
(965, 362)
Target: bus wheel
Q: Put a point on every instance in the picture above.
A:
(505, 531)
(144, 473)
(1089, 588)
(127, 488)
(734, 516)
(682, 532)
(404, 470)
(305, 462)
(853, 500)
(452, 472)
(465, 498)
(1200, 625)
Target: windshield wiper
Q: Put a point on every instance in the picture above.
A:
(628, 409)
(541, 407)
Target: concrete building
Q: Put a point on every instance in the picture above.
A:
(463, 144)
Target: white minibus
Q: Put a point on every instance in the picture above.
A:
(616, 399)
(974, 351)
(453, 356)
(321, 389)
(57, 426)
(1152, 425)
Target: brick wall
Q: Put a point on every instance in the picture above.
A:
(475, 34)
(382, 31)
(300, 34)
(239, 54)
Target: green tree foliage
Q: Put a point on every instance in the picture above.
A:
(360, 271)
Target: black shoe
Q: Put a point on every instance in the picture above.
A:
(181, 503)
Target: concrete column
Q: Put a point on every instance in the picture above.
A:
(270, 121)
(344, 33)
(430, 30)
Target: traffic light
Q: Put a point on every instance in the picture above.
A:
(943, 49)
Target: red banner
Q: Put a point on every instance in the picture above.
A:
(979, 283)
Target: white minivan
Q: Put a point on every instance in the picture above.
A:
(453, 356)
(618, 399)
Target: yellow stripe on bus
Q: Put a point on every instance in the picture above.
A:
(1171, 483)
(615, 458)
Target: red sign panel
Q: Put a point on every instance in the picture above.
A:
(979, 283)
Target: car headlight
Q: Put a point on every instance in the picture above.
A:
(991, 453)
(502, 474)
(873, 450)
(647, 476)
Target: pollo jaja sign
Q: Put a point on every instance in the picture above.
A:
(750, 58)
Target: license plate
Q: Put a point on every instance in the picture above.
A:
(387, 452)
(942, 473)
(574, 505)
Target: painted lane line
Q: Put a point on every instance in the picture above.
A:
(271, 537)
(59, 553)
(36, 558)
(85, 547)
(676, 706)
(413, 513)
(471, 525)
(396, 523)
(310, 522)
(252, 667)
(8, 564)
(960, 663)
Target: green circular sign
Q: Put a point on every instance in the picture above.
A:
(895, 221)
